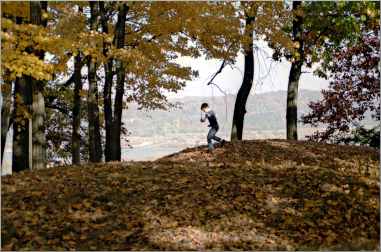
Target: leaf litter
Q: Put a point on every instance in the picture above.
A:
(254, 195)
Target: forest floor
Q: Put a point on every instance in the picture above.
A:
(254, 195)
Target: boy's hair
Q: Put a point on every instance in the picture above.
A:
(204, 105)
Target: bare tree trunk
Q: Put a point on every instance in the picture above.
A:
(38, 104)
(76, 137)
(107, 102)
(20, 145)
(95, 145)
(107, 107)
(117, 120)
(6, 107)
(38, 127)
(292, 101)
(244, 90)
(118, 104)
(293, 81)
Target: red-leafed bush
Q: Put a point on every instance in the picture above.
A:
(353, 93)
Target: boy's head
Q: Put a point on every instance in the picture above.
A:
(204, 106)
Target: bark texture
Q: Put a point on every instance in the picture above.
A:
(107, 89)
(120, 78)
(6, 110)
(294, 76)
(38, 102)
(95, 145)
(29, 144)
(76, 123)
(20, 144)
(247, 83)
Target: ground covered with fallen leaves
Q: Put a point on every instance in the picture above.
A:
(255, 195)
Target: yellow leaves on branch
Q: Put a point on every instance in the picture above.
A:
(65, 26)
(18, 47)
(19, 64)
(156, 34)
(16, 8)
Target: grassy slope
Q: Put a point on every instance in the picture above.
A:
(258, 195)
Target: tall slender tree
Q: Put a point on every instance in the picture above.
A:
(295, 72)
(120, 79)
(76, 111)
(38, 102)
(108, 81)
(265, 19)
(95, 145)
(247, 82)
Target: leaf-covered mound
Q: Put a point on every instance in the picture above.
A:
(257, 195)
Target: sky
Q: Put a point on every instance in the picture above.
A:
(268, 75)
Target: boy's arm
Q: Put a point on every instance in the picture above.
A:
(203, 117)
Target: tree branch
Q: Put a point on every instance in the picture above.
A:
(63, 110)
(223, 64)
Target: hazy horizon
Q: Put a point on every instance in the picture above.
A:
(269, 75)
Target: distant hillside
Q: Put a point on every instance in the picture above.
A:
(265, 112)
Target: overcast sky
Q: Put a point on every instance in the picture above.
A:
(269, 75)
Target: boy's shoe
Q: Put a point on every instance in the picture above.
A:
(223, 142)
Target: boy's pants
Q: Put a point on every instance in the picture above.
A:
(212, 136)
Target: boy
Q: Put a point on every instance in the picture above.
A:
(213, 124)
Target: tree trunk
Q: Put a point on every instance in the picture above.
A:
(22, 100)
(76, 137)
(118, 103)
(21, 108)
(293, 81)
(38, 104)
(38, 127)
(107, 107)
(95, 146)
(292, 100)
(244, 90)
(6, 91)
(118, 109)
(29, 145)
(107, 102)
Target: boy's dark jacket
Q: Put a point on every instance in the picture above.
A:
(211, 116)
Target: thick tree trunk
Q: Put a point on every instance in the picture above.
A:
(38, 127)
(6, 106)
(29, 145)
(107, 102)
(118, 103)
(21, 108)
(292, 100)
(293, 81)
(244, 90)
(38, 104)
(76, 137)
(95, 145)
